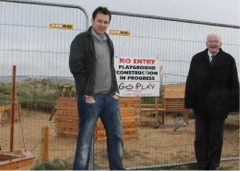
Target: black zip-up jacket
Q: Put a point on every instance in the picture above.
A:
(212, 91)
(82, 63)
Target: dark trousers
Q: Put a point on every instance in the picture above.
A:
(208, 142)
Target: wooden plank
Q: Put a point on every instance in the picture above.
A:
(67, 125)
(70, 133)
(130, 113)
(100, 138)
(130, 105)
(66, 113)
(174, 91)
(66, 103)
(103, 134)
(124, 126)
(102, 131)
(70, 103)
(6, 107)
(127, 111)
(66, 121)
(125, 136)
(17, 162)
(62, 106)
(71, 118)
(134, 136)
(129, 100)
(45, 144)
(66, 99)
(66, 108)
(150, 105)
(173, 100)
(99, 122)
(130, 125)
(99, 128)
(130, 129)
(127, 118)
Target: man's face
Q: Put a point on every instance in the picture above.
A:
(213, 43)
(100, 23)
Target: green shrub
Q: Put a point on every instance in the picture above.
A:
(56, 164)
(33, 94)
(232, 120)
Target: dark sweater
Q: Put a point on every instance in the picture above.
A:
(82, 63)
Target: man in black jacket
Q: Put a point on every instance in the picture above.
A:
(212, 91)
(92, 64)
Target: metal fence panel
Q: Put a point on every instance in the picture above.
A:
(36, 37)
(41, 56)
(173, 42)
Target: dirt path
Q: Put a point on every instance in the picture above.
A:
(154, 146)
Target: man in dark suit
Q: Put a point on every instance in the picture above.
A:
(212, 91)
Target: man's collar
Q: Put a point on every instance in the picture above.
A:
(104, 37)
(210, 54)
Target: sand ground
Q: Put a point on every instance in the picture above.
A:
(153, 147)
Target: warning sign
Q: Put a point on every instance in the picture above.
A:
(137, 77)
(119, 32)
(61, 26)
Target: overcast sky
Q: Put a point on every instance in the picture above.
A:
(217, 11)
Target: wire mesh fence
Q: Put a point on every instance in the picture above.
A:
(36, 38)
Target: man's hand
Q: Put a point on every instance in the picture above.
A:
(115, 96)
(89, 99)
(190, 110)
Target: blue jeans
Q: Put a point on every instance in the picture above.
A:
(107, 108)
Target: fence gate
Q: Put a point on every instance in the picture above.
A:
(173, 42)
(36, 37)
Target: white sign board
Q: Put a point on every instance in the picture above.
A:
(137, 77)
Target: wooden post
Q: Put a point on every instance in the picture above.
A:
(156, 109)
(12, 107)
(45, 144)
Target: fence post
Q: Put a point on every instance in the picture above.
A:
(45, 144)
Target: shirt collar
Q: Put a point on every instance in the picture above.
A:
(210, 54)
(104, 37)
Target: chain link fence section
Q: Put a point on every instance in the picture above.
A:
(36, 37)
(172, 41)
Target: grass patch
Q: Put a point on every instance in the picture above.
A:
(232, 121)
(230, 165)
(56, 164)
(33, 94)
(188, 167)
